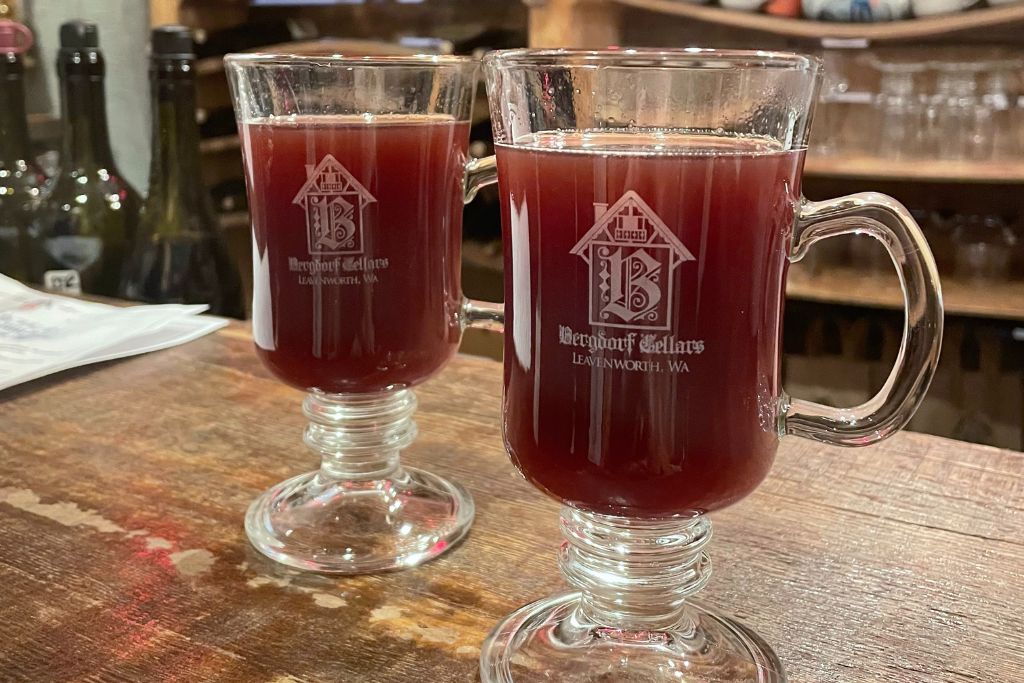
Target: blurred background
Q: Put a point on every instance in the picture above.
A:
(923, 99)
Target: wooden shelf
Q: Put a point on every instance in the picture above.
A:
(873, 168)
(220, 144)
(234, 219)
(43, 126)
(847, 286)
(209, 66)
(892, 31)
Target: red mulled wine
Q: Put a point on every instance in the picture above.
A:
(644, 291)
(357, 227)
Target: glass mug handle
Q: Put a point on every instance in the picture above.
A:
(485, 315)
(889, 222)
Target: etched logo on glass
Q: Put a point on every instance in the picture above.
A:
(632, 256)
(333, 201)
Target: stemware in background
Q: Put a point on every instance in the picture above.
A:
(961, 126)
(1017, 118)
(939, 230)
(833, 106)
(1017, 260)
(985, 247)
(999, 95)
(651, 204)
(356, 174)
(900, 111)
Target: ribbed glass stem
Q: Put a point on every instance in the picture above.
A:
(359, 436)
(634, 574)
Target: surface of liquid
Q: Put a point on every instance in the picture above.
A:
(356, 226)
(644, 290)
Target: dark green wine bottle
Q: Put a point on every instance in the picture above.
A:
(88, 213)
(20, 178)
(179, 254)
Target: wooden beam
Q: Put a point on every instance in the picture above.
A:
(573, 23)
(11, 9)
(164, 12)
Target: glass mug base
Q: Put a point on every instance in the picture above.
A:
(361, 512)
(633, 617)
(553, 640)
(359, 527)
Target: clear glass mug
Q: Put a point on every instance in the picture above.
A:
(356, 170)
(651, 205)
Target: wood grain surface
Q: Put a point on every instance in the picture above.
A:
(122, 555)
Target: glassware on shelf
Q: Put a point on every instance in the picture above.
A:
(358, 173)
(938, 228)
(985, 247)
(1017, 259)
(961, 126)
(1000, 97)
(1017, 118)
(833, 107)
(900, 111)
(634, 253)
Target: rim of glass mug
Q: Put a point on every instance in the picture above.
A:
(285, 58)
(675, 58)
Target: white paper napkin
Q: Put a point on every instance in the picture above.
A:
(41, 334)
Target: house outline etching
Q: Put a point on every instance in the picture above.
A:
(333, 201)
(632, 257)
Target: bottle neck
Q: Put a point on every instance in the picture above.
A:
(14, 140)
(86, 142)
(176, 189)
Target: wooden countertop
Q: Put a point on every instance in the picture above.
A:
(122, 555)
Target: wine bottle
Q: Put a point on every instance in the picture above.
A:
(88, 212)
(179, 255)
(20, 178)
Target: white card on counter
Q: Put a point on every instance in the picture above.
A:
(41, 334)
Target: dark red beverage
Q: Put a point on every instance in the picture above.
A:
(644, 291)
(357, 229)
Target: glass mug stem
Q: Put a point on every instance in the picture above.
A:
(888, 221)
(634, 574)
(359, 436)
